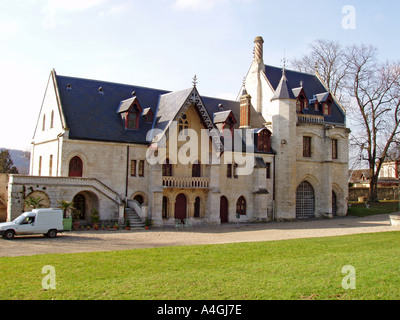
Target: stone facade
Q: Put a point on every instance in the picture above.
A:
(110, 173)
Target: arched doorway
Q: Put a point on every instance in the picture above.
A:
(40, 198)
(197, 207)
(75, 167)
(334, 203)
(86, 202)
(223, 209)
(139, 199)
(180, 207)
(305, 201)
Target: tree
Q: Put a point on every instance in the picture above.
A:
(34, 203)
(6, 163)
(329, 60)
(371, 93)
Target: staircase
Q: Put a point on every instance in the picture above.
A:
(134, 219)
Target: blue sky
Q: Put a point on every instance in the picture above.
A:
(164, 43)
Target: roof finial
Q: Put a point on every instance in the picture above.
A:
(194, 81)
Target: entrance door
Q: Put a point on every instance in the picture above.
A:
(334, 203)
(180, 207)
(305, 201)
(223, 209)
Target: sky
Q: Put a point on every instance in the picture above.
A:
(163, 43)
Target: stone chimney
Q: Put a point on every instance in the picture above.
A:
(258, 49)
(245, 105)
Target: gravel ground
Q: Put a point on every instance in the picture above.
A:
(86, 241)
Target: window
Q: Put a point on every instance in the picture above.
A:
(133, 168)
(334, 148)
(75, 167)
(235, 170)
(241, 206)
(302, 102)
(229, 170)
(264, 141)
(268, 170)
(51, 165)
(149, 117)
(183, 125)
(141, 168)
(196, 170)
(44, 123)
(52, 120)
(307, 147)
(327, 107)
(132, 118)
(167, 169)
(40, 166)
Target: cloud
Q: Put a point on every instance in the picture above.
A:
(9, 29)
(53, 7)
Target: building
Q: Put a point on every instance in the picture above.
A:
(279, 152)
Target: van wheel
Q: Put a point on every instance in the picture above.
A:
(52, 233)
(9, 234)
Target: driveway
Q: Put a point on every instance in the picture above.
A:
(87, 241)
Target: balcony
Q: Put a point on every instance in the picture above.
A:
(310, 118)
(192, 182)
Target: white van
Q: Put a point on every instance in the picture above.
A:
(45, 221)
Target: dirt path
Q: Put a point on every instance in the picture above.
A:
(86, 241)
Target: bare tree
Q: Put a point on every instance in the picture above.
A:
(375, 90)
(328, 58)
(371, 91)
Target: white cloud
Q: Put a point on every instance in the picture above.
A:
(8, 29)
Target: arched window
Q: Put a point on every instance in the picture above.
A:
(264, 141)
(183, 125)
(75, 167)
(241, 206)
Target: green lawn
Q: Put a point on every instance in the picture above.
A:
(290, 269)
(359, 209)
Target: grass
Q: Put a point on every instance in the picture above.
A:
(359, 209)
(290, 269)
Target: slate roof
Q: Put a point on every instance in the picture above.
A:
(311, 85)
(92, 114)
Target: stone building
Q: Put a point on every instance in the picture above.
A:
(279, 152)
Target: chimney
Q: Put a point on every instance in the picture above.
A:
(258, 49)
(245, 105)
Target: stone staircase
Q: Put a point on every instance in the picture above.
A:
(134, 219)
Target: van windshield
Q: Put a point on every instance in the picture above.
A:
(21, 218)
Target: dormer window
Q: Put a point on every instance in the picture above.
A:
(302, 102)
(148, 114)
(327, 106)
(132, 118)
(130, 111)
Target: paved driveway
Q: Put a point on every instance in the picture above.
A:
(86, 241)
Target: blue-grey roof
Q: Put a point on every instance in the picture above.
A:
(92, 114)
(312, 86)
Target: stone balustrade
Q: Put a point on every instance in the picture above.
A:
(192, 182)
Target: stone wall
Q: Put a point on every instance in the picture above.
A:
(388, 193)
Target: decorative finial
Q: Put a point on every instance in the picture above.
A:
(301, 83)
(244, 81)
(194, 81)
